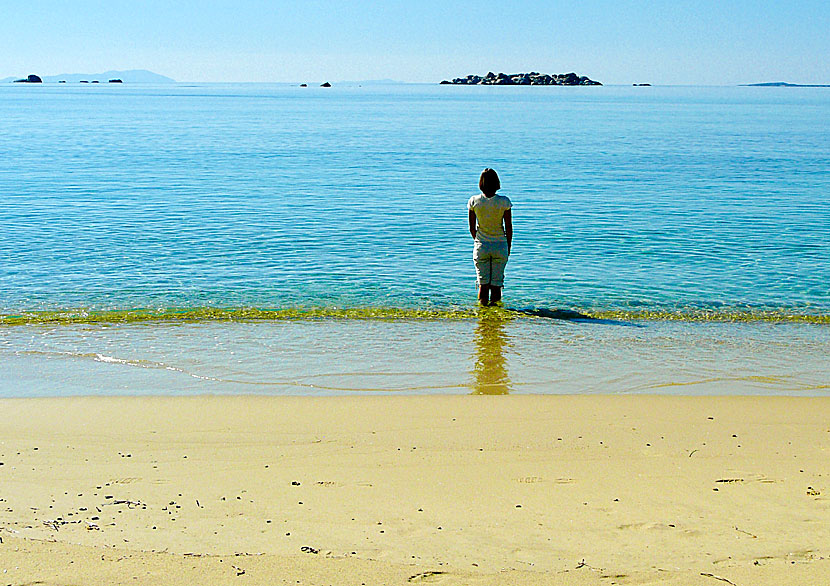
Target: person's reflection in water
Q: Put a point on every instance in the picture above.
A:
(490, 368)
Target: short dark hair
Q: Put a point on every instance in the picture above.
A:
(489, 181)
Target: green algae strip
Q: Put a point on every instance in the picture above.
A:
(724, 315)
(209, 314)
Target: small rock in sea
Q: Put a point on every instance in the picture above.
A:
(30, 79)
(303, 85)
(325, 84)
(115, 81)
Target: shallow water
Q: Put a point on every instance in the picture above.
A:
(496, 353)
(272, 239)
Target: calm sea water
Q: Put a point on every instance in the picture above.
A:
(672, 202)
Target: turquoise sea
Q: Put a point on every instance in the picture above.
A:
(210, 238)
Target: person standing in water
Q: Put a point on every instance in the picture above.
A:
(491, 226)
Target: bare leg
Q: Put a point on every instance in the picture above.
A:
(484, 294)
(495, 294)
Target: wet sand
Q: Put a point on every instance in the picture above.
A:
(400, 490)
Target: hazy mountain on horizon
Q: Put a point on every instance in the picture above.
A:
(129, 76)
(783, 84)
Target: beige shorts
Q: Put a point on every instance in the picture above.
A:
(490, 259)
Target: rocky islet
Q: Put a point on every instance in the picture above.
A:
(532, 78)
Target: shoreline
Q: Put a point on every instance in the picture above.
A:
(543, 489)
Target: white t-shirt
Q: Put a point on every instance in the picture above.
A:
(489, 213)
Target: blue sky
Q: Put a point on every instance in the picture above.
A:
(662, 42)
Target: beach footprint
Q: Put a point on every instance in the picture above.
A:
(736, 477)
(649, 526)
(428, 577)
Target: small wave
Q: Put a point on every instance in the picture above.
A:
(136, 363)
(111, 359)
(309, 381)
(144, 364)
(211, 314)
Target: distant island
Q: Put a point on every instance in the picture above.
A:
(130, 76)
(532, 78)
(782, 84)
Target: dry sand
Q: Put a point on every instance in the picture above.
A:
(400, 490)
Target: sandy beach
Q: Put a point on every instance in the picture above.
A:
(400, 490)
